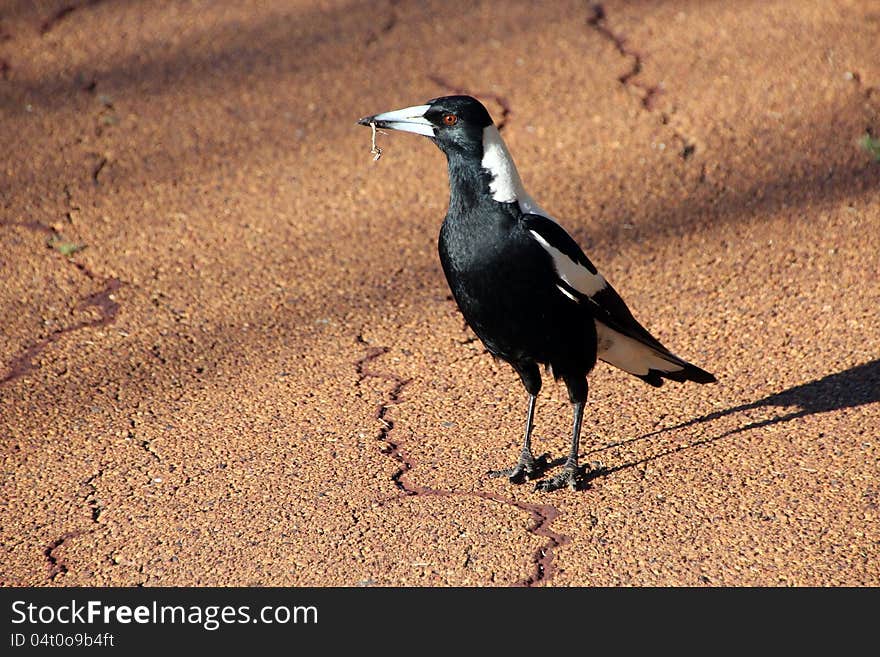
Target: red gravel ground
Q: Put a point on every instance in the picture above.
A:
(229, 356)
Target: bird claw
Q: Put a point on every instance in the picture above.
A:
(528, 467)
(573, 477)
(568, 477)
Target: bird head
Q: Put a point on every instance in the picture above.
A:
(454, 123)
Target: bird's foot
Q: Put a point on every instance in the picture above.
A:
(572, 476)
(568, 477)
(528, 467)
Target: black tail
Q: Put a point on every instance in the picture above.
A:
(689, 373)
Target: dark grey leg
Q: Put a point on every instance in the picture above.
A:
(528, 467)
(570, 471)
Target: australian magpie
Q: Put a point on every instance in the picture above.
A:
(522, 283)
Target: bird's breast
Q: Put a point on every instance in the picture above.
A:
(490, 266)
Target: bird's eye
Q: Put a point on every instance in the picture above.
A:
(450, 119)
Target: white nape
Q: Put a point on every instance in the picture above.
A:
(506, 185)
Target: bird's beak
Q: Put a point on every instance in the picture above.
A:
(408, 119)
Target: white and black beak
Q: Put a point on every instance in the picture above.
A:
(408, 119)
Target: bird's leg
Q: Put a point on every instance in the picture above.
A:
(570, 471)
(528, 467)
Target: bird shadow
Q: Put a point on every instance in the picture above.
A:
(850, 388)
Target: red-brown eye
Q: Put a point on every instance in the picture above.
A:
(450, 119)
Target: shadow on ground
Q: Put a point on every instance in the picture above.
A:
(854, 387)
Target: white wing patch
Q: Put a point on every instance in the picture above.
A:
(573, 273)
(631, 355)
(567, 293)
(506, 185)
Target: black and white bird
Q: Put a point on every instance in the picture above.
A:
(522, 283)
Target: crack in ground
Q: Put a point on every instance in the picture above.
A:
(97, 169)
(54, 234)
(389, 24)
(648, 93)
(542, 515)
(91, 498)
(381, 412)
(598, 20)
(506, 109)
(102, 300)
(63, 13)
(56, 565)
(148, 448)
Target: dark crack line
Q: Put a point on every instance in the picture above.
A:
(56, 565)
(381, 412)
(92, 498)
(108, 309)
(389, 24)
(598, 20)
(54, 234)
(506, 109)
(648, 94)
(63, 13)
(542, 515)
(97, 169)
(148, 448)
(56, 18)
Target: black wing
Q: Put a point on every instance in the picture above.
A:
(580, 278)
